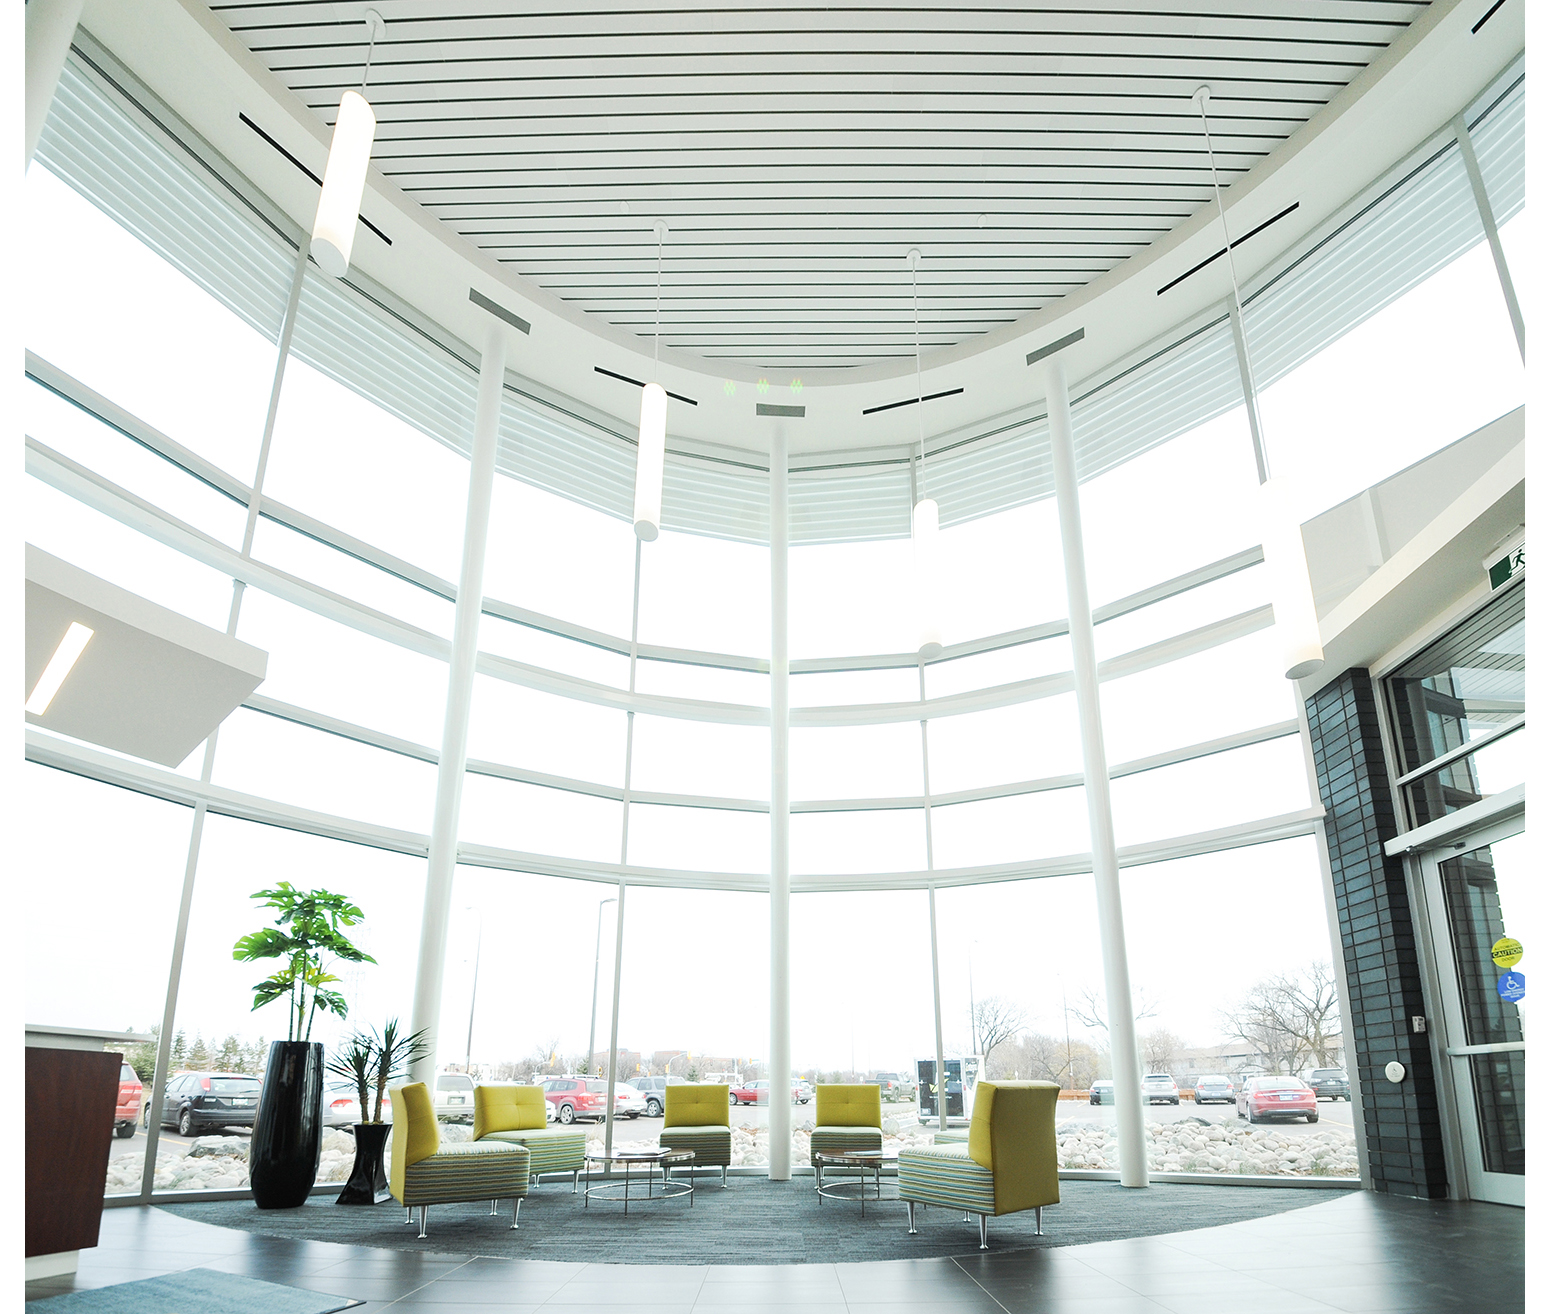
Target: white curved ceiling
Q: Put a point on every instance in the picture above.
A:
(797, 152)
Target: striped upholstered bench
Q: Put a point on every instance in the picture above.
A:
(515, 1115)
(1009, 1162)
(698, 1118)
(426, 1172)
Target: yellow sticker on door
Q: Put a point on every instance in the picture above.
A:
(1506, 952)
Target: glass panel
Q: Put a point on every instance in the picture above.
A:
(533, 819)
(1479, 916)
(900, 684)
(1333, 434)
(339, 457)
(856, 761)
(83, 438)
(1170, 510)
(853, 599)
(1028, 741)
(1469, 779)
(984, 670)
(97, 543)
(545, 732)
(1275, 1016)
(1236, 593)
(1043, 825)
(154, 342)
(217, 1029)
(846, 843)
(554, 556)
(707, 594)
(120, 856)
(332, 668)
(338, 572)
(1501, 1102)
(708, 683)
(1231, 687)
(1018, 589)
(1225, 789)
(699, 757)
(699, 839)
(535, 647)
(264, 755)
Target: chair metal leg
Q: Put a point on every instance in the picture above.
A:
(1038, 1220)
(423, 1208)
(495, 1207)
(910, 1205)
(408, 1213)
(516, 1214)
(984, 1231)
(723, 1177)
(575, 1179)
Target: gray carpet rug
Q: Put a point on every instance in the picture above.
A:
(195, 1289)
(754, 1221)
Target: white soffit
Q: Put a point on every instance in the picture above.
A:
(150, 682)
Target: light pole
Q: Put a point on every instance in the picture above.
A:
(597, 958)
(473, 999)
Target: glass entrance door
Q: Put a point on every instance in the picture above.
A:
(1477, 889)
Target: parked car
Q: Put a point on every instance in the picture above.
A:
(1102, 1092)
(130, 1093)
(455, 1097)
(758, 1092)
(1159, 1086)
(577, 1097)
(628, 1102)
(895, 1086)
(1330, 1084)
(1214, 1090)
(341, 1104)
(1277, 1097)
(652, 1091)
(195, 1101)
(802, 1091)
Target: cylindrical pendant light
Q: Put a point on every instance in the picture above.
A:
(344, 180)
(652, 451)
(925, 520)
(1286, 558)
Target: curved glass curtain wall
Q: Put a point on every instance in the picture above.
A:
(141, 468)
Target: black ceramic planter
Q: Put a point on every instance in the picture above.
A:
(288, 1133)
(368, 1179)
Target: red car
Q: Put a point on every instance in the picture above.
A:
(758, 1092)
(1262, 1098)
(130, 1093)
(577, 1097)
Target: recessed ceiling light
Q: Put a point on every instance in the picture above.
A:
(59, 665)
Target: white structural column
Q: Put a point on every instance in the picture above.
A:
(1095, 765)
(50, 29)
(780, 823)
(936, 975)
(442, 865)
(1482, 204)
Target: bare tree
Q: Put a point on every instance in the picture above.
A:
(1160, 1049)
(1090, 1009)
(1073, 1065)
(1291, 1018)
(995, 1020)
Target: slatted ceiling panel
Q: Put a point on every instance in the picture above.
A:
(798, 152)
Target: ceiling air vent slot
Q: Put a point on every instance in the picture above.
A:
(307, 171)
(910, 401)
(625, 378)
(1237, 241)
(790, 412)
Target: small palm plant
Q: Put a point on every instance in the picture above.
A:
(306, 934)
(371, 1059)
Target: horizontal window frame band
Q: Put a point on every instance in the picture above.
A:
(391, 743)
(102, 494)
(136, 430)
(44, 749)
(1444, 760)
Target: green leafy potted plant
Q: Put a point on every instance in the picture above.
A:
(307, 937)
(371, 1060)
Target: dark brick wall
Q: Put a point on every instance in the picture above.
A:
(1404, 1136)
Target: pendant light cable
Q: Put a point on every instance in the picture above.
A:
(656, 348)
(920, 391)
(1201, 96)
(374, 24)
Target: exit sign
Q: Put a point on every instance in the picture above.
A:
(1506, 562)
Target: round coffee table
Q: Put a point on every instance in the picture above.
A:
(862, 1159)
(619, 1169)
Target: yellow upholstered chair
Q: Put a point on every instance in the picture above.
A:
(426, 1172)
(516, 1115)
(698, 1118)
(1009, 1163)
(846, 1117)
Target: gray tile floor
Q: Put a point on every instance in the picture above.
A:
(1355, 1252)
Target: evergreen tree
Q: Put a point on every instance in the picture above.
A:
(179, 1058)
(199, 1054)
(230, 1057)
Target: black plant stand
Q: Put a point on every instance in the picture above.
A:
(368, 1179)
(288, 1132)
